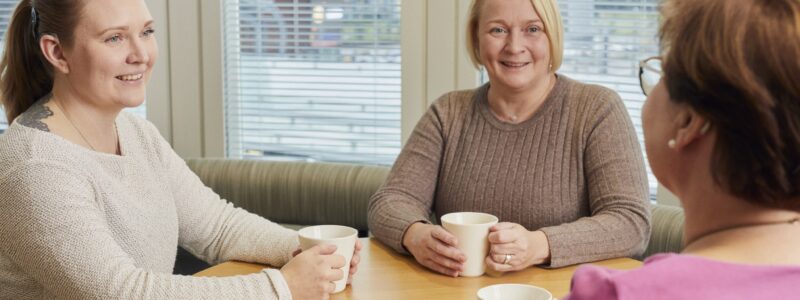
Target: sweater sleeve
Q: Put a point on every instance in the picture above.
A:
(59, 238)
(407, 195)
(216, 231)
(619, 224)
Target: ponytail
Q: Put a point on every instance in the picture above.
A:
(25, 75)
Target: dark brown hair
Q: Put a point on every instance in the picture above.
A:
(736, 63)
(25, 76)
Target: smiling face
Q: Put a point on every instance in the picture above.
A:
(512, 44)
(113, 53)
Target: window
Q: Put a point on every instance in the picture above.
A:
(603, 42)
(315, 80)
(6, 9)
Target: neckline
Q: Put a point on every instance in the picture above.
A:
(791, 222)
(61, 140)
(481, 99)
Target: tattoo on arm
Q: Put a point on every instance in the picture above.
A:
(35, 114)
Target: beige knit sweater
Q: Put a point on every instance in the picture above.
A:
(574, 170)
(78, 224)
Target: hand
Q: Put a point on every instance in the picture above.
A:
(354, 261)
(525, 248)
(311, 273)
(434, 248)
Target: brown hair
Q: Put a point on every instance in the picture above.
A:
(25, 76)
(553, 28)
(735, 63)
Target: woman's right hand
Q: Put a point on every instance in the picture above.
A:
(311, 273)
(434, 248)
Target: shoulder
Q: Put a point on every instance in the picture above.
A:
(455, 105)
(25, 147)
(591, 97)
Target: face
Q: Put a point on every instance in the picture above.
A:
(658, 124)
(512, 44)
(113, 53)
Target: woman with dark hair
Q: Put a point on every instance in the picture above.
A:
(93, 201)
(722, 132)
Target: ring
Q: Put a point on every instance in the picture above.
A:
(506, 259)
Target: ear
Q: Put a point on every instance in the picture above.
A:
(54, 53)
(691, 127)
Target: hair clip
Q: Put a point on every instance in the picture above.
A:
(34, 23)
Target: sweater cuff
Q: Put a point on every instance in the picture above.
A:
(279, 284)
(558, 238)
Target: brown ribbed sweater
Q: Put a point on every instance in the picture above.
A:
(574, 170)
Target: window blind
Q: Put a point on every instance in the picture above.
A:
(6, 9)
(603, 42)
(314, 80)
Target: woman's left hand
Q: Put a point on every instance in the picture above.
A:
(513, 248)
(353, 261)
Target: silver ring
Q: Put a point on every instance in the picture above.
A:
(506, 259)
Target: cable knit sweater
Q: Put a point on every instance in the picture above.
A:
(574, 170)
(78, 224)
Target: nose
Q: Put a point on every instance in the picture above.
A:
(139, 53)
(514, 42)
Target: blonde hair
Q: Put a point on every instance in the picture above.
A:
(553, 28)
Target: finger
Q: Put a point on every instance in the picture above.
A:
(355, 260)
(503, 249)
(433, 265)
(502, 226)
(358, 246)
(503, 236)
(447, 262)
(296, 252)
(353, 271)
(335, 261)
(330, 289)
(445, 237)
(448, 252)
(497, 266)
(324, 249)
(334, 275)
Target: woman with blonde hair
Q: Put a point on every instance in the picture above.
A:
(555, 159)
(722, 131)
(93, 201)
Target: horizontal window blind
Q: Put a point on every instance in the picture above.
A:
(603, 42)
(6, 9)
(314, 80)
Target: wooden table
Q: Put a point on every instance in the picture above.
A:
(384, 274)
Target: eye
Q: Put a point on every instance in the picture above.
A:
(114, 39)
(148, 32)
(534, 29)
(497, 30)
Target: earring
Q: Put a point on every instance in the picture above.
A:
(550, 67)
(705, 128)
(672, 143)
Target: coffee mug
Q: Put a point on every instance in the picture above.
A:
(342, 236)
(472, 231)
(514, 292)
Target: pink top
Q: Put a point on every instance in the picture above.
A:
(674, 276)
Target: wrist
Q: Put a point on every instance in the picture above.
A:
(411, 232)
(540, 248)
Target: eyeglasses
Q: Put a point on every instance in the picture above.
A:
(649, 73)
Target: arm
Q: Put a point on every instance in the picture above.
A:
(62, 240)
(213, 229)
(619, 224)
(407, 195)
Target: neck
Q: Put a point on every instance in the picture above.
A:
(515, 106)
(95, 123)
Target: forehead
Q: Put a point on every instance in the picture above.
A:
(508, 10)
(98, 15)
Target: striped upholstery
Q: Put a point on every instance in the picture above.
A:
(298, 193)
(667, 226)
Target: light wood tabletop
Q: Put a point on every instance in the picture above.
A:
(384, 274)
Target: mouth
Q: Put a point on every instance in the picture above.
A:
(514, 65)
(130, 77)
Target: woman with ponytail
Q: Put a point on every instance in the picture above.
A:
(93, 201)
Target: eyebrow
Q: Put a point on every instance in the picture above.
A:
(502, 21)
(123, 28)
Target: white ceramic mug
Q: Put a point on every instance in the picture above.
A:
(472, 231)
(342, 236)
(514, 292)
